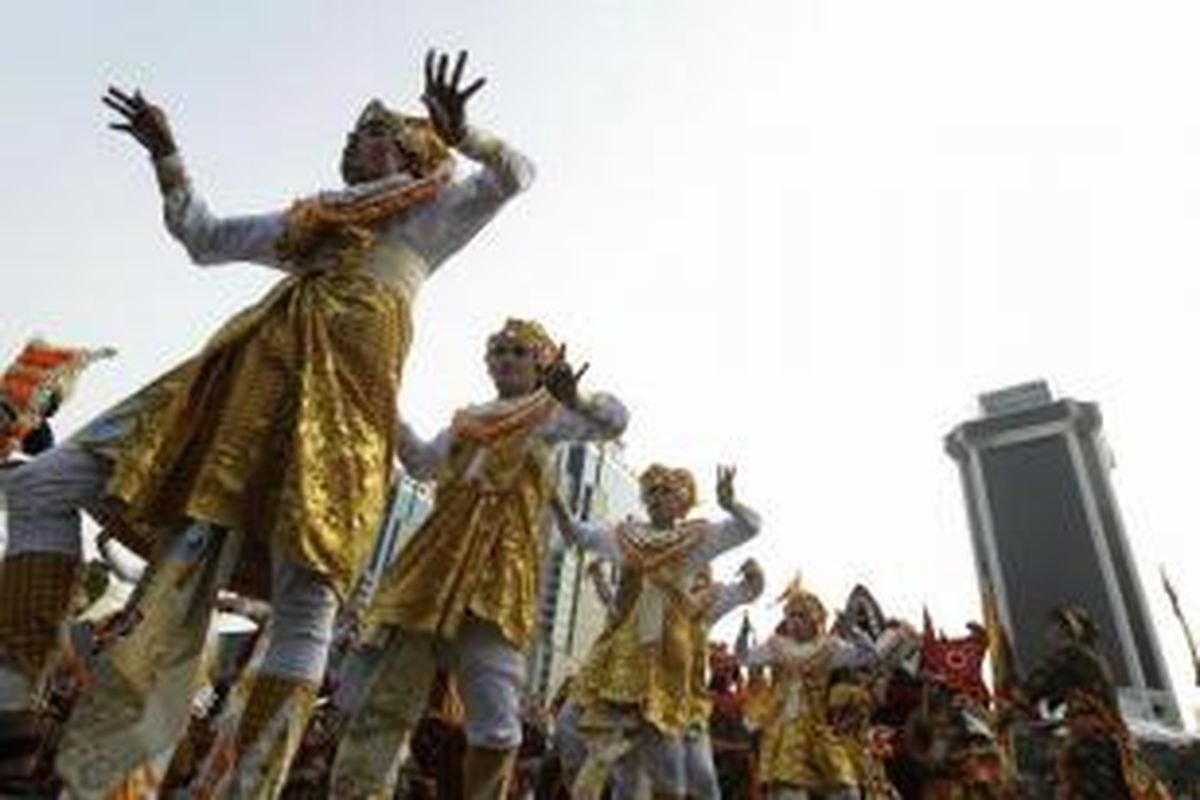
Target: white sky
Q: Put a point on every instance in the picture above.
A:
(799, 235)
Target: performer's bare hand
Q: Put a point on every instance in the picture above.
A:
(143, 121)
(443, 98)
(562, 381)
(562, 519)
(726, 498)
(752, 573)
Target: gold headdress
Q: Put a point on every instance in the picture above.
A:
(1077, 622)
(850, 698)
(531, 334)
(33, 386)
(346, 224)
(678, 480)
(798, 601)
(415, 134)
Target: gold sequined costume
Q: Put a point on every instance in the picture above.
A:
(281, 428)
(798, 746)
(479, 551)
(643, 661)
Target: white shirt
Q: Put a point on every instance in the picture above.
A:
(715, 538)
(607, 418)
(408, 248)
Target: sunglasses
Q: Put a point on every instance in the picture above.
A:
(513, 350)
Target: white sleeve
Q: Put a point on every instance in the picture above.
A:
(761, 655)
(727, 597)
(742, 525)
(207, 238)
(854, 653)
(127, 566)
(604, 419)
(597, 538)
(441, 227)
(420, 458)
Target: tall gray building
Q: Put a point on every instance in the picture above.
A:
(1046, 531)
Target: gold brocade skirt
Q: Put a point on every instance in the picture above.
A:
(651, 680)
(476, 553)
(804, 752)
(282, 427)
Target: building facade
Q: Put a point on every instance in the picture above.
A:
(1046, 531)
(597, 485)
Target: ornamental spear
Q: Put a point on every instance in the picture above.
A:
(1187, 631)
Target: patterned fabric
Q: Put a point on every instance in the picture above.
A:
(282, 428)
(957, 663)
(642, 664)
(416, 135)
(32, 386)
(1099, 759)
(479, 550)
(487, 773)
(268, 735)
(603, 754)
(963, 758)
(346, 226)
(269, 694)
(849, 709)
(35, 595)
(141, 701)
(142, 783)
(529, 333)
(701, 699)
(368, 759)
(799, 748)
(676, 479)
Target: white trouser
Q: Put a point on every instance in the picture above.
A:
(490, 674)
(45, 498)
(569, 743)
(661, 758)
(701, 770)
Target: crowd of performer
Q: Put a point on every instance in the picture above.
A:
(253, 477)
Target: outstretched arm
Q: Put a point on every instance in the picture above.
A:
(590, 536)
(743, 592)
(207, 238)
(441, 227)
(760, 655)
(742, 525)
(420, 458)
(594, 417)
(602, 584)
(125, 565)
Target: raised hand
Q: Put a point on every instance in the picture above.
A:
(726, 498)
(562, 519)
(562, 381)
(443, 98)
(752, 573)
(143, 121)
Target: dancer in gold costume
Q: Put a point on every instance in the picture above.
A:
(261, 462)
(462, 593)
(800, 753)
(637, 690)
(713, 600)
